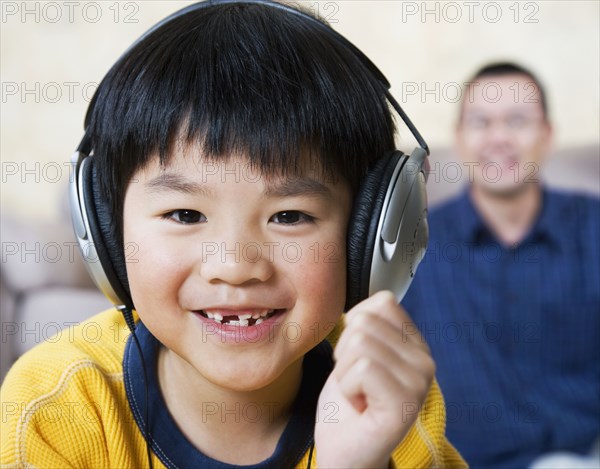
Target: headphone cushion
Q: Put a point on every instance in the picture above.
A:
(362, 228)
(104, 235)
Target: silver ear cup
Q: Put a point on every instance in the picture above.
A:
(402, 233)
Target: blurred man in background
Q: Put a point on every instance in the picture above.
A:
(508, 295)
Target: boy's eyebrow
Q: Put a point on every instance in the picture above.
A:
(291, 187)
(288, 187)
(173, 182)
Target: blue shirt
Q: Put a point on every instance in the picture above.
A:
(515, 332)
(171, 445)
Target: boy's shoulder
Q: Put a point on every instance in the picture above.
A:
(61, 390)
(90, 350)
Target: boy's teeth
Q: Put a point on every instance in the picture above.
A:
(243, 320)
(241, 323)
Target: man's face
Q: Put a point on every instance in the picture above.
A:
(237, 274)
(502, 135)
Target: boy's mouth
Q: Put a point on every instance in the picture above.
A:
(249, 318)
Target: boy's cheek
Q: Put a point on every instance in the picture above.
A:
(328, 253)
(325, 283)
(153, 274)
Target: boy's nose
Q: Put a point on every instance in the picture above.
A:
(236, 262)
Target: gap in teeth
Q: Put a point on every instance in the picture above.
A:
(243, 320)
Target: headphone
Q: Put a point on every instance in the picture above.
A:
(387, 234)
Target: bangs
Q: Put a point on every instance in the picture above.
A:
(248, 80)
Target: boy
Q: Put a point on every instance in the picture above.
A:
(227, 146)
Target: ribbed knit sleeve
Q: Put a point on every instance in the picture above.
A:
(426, 445)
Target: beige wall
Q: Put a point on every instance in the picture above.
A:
(53, 54)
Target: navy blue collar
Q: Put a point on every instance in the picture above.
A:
(174, 449)
(548, 226)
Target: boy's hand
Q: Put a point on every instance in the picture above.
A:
(382, 364)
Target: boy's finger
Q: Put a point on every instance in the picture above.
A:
(382, 307)
(369, 386)
(379, 328)
(404, 363)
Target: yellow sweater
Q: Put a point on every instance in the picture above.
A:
(64, 405)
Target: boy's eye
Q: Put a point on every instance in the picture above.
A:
(291, 217)
(186, 217)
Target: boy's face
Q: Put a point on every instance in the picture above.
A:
(214, 238)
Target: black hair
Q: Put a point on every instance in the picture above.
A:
(510, 68)
(238, 79)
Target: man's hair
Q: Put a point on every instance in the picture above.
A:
(247, 80)
(510, 68)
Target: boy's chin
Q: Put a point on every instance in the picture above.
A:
(247, 374)
(243, 385)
